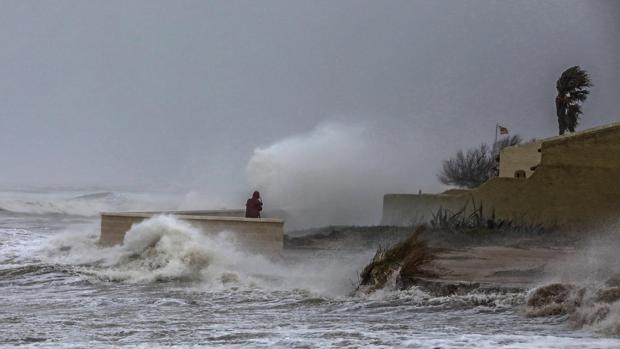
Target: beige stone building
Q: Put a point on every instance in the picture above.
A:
(571, 181)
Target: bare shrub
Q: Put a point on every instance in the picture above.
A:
(475, 166)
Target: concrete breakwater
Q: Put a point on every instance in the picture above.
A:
(264, 234)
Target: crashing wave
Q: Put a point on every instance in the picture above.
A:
(594, 306)
(85, 205)
(165, 249)
(88, 205)
(95, 196)
(158, 249)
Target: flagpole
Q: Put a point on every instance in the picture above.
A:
(495, 141)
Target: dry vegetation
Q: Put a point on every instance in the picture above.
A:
(402, 262)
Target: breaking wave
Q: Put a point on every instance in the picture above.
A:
(592, 306)
(165, 249)
(585, 288)
(79, 204)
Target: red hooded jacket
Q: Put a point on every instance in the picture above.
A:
(253, 206)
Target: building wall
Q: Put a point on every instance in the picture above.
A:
(599, 148)
(577, 184)
(519, 157)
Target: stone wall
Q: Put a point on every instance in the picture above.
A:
(577, 184)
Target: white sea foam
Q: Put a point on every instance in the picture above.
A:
(231, 297)
(585, 286)
(164, 248)
(84, 203)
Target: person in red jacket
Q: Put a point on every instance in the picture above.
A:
(253, 206)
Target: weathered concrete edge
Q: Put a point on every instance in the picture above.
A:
(191, 217)
(262, 234)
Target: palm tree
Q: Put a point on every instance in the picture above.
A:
(572, 89)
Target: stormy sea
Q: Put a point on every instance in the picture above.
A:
(168, 285)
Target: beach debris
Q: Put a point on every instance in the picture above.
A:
(400, 263)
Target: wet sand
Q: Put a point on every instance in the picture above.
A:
(463, 260)
(497, 266)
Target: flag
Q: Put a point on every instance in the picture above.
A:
(502, 130)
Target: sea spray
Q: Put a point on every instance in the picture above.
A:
(67, 299)
(161, 248)
(592, 306)
(584, 288)
(164, 248)
(337, 173)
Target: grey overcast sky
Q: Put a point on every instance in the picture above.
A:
(206, 95)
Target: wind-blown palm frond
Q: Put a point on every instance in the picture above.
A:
(572, 89)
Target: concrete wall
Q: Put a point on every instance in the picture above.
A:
(262, 234)
(221, 213)
(414, 209)
(577, 184)
(519, 157)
